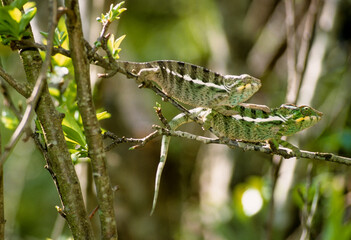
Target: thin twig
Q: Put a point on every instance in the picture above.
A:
(117, 140)
(91, 215)
(102, 38)
(105, 48)
(8, 100)
(2, 204)
(161, 117)
(34, 97)
(21, 88)
(246, 146)
(94, 58)
(24, 43)
(169, 99)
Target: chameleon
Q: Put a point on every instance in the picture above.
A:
(251, 123)
(193, 85)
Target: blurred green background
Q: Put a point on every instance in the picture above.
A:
(207, 191)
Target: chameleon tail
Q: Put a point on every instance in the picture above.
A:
(177, 121)
(164, 150)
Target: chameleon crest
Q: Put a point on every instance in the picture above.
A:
(193, 85)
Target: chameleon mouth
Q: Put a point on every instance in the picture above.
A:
(252, 86)
(311, 119)
(320, 114)
(256, 83)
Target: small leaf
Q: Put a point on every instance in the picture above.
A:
(71, 128)
(119, 41)
(44, 34)
(103, 115)
(15, 14)
(113, 45)
(27, 6)
(54, 92)
(112, 14)
(97, 44)
(9, 120)
(18, 3)
(27, 17)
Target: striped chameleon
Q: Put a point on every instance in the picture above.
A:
(250, 123)
(192, 84)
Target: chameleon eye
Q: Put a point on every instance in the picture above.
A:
(306, 111)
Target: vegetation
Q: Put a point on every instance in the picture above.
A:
(64, 111)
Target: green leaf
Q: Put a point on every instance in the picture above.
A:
(116, 11)
(26, 18)
(54, 92)
(113, 45)
(15, 14)
(103, 115)
(18, 3)
(9, 120)
(44, 34)
(8, 25)
(13, 23)
(71, 128)
(112, 14)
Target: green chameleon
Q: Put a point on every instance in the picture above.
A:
(193, 85)
(251, 123)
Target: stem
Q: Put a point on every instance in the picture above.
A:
(58, 159)
(90, 122)
(2, 204)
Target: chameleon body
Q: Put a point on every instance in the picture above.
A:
(192, 84)
(257, 125)
(251, 123)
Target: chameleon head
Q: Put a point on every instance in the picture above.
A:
(244, 84)
(298, 117)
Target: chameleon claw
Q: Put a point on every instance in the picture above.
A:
(274, 145)
(297, 153)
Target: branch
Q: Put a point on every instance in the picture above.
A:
(8, 101)
(25, 43)
(90, 123)
(102, 38)
(59, 162)
(118, 140)
(93, 57)
(21, 88)
(246, 146)
(2, 205)
(32, 100)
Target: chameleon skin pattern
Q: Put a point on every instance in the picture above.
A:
(192, 84)
(256, 125)
(251, 123)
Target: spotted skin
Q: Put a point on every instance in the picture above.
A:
(192, 84)
(250, 123)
